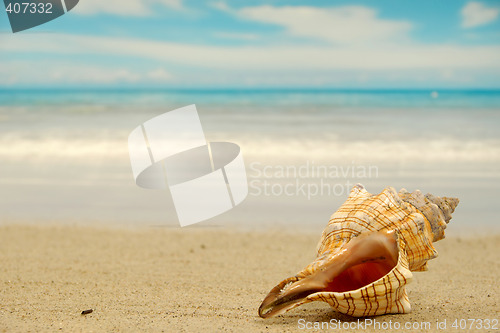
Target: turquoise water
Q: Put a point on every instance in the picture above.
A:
(269, 97)
(65, 158)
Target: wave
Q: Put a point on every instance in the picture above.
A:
(269, 149)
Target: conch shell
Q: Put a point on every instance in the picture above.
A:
(367, 253)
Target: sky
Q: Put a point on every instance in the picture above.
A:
(410, 44)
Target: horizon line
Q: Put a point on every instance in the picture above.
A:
(252, 89)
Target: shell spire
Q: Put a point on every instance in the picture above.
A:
(437, 210)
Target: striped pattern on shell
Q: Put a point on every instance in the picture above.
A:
(353, 270)
(364, 212)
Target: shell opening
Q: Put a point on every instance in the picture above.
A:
(364, 260)
(360, 275)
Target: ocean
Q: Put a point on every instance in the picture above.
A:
(64, 155)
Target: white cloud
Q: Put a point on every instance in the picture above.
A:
(159, 75)
(123, 8)
(341, 25)
(220, 5)
(66, 73)
(475, 14)
(90, 74)
(236, 36)
(178, 63)
(364, 57)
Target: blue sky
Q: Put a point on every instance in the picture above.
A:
(332, 44)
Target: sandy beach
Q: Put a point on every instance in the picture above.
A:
(206, 280)
(249, 122)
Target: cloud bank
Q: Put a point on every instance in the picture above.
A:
(341, 25)
(123, 7)
(307, 46)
